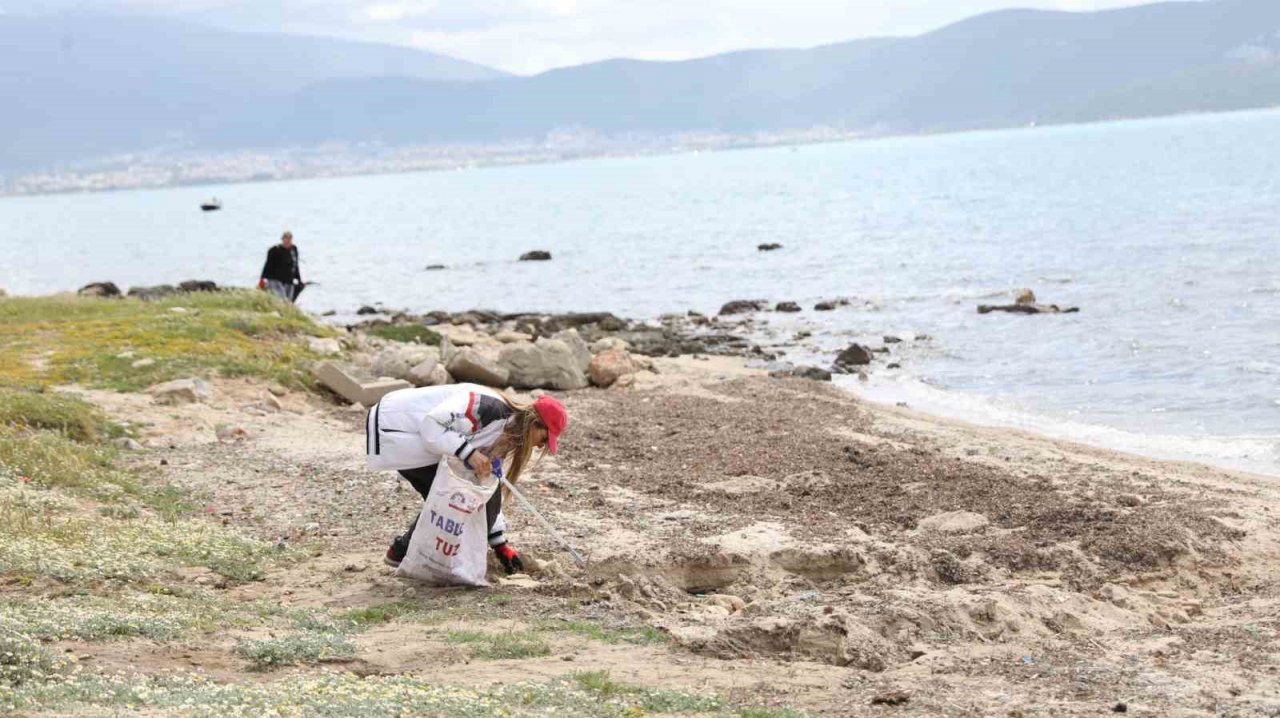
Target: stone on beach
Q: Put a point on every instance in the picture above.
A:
(743, 306)
(324, 346)
(544, 364)
(610, 365)
(181, 391)
(345, 384)
(768, 246)
(854, 355)
(789, 307)
(103, 290)
(474, 365)
(537, 255)
(406, 361)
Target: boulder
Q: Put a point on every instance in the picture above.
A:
(789, 307)
(474, 365)
(578, 345)
(507, 336)
(609, 366)
(398, 361)
(100, 289)
(607, 343)
(604, 321)
(366, 310)
(537, 255)
(744, 306)
(181, 391)
(812, 373)
(768, 247)
(324, 346)
(828, 305)
(544, 364)
(854, 355)
(954, 522)
(428, 372)
(198, 285)
(151, 294)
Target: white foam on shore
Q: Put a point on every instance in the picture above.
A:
(1257, 454)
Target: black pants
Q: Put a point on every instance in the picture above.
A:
(421, 479)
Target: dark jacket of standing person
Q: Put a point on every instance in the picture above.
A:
(282, 264)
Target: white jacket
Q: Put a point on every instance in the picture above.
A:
(413, 428)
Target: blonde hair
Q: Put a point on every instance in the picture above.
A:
(519, 435)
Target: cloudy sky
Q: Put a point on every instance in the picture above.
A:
(527, 36)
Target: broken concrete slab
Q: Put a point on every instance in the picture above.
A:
(357, 390)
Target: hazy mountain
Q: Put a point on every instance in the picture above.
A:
(1000, 69)
(76, 86)
(1005, 68)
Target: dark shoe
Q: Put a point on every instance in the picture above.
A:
(393, 557)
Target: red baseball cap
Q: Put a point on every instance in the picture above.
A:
(554, 417)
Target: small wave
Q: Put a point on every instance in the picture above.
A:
(1260, 367)
(1259, 454)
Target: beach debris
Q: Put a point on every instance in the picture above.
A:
(744, 306)
(181, 391)
(788, 307)
(345, 385)
(853, 355)
(103, 290)
(768, 246)
(537, 255)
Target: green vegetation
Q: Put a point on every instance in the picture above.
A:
(414, 333)
(98, 342)
(602, 685)
(382, 613)
(497, 646)
(613, 636)
(304, 647)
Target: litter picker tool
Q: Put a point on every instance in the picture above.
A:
(497, 471)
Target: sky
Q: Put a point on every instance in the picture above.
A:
(528, 36)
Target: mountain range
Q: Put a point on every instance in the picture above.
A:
(92, 86)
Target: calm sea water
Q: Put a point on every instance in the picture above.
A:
(1165, 233)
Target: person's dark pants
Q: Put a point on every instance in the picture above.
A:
(421, 479)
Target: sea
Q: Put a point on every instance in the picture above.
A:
(1165, 233)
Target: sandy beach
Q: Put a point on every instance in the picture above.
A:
(801, 549)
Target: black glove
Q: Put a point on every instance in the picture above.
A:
(509, 559)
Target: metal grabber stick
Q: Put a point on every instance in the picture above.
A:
(497, 471)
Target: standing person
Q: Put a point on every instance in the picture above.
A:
(280, 274)
(413, 430)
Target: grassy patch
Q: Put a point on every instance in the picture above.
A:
(770, 713)
(367, 616)
(343, 695)
(602, 685)
(304, 647)
(68, 415)
(130, 614)
(412, 333)
(597, 632)
(54, 340)
(497, 646)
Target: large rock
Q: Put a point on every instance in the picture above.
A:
(604, 345)
(478, 367)
(854, 355)
(197, 285)
(744, 306)
(100, 289)
(398, 361)
(577, 345)
(150, 294)
(788, 307)
(324, 346)
(610, 365)
(181, 391)
(545, 364)
(537, 255)
(428, 372)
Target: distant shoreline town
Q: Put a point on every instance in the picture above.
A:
(164, 169)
